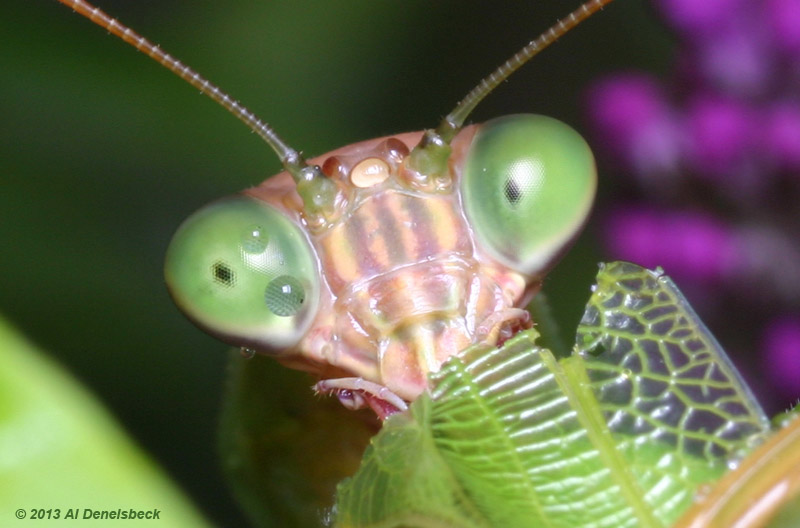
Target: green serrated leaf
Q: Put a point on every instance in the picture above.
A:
(622, 433)
(661, 374)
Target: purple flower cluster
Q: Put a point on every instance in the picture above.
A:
(709, 168)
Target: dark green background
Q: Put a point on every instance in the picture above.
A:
(104, 153)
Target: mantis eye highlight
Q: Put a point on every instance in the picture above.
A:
(528, 184)
(244, 272)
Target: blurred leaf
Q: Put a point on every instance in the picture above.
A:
(60, 450)
(283, 448)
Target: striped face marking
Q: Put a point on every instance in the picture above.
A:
(391, 229)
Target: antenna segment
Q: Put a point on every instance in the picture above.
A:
(453, 122)
(319, 193)
(290, 158)
(428, 160)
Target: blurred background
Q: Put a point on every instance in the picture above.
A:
(104, 153)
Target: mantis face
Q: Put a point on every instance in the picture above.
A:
(404, 272)
(373, 265)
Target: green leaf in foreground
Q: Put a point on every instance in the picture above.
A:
(283, 448)
(60, 450)
(622, 433)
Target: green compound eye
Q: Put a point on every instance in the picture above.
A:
(528, 184)
(244, 272)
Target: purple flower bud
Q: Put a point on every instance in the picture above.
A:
(691, 245)
(700, 18)
(738, 61)
(721, 135)
(781, 346)
(781, 135)
(633, 118)
(768, 269)
(783, 20)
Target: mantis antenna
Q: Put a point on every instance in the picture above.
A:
(453, 122)
(317, 191)
(428, 159)
(289, 157)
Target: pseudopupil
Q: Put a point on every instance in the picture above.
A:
(512, 191)
(223, 274)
